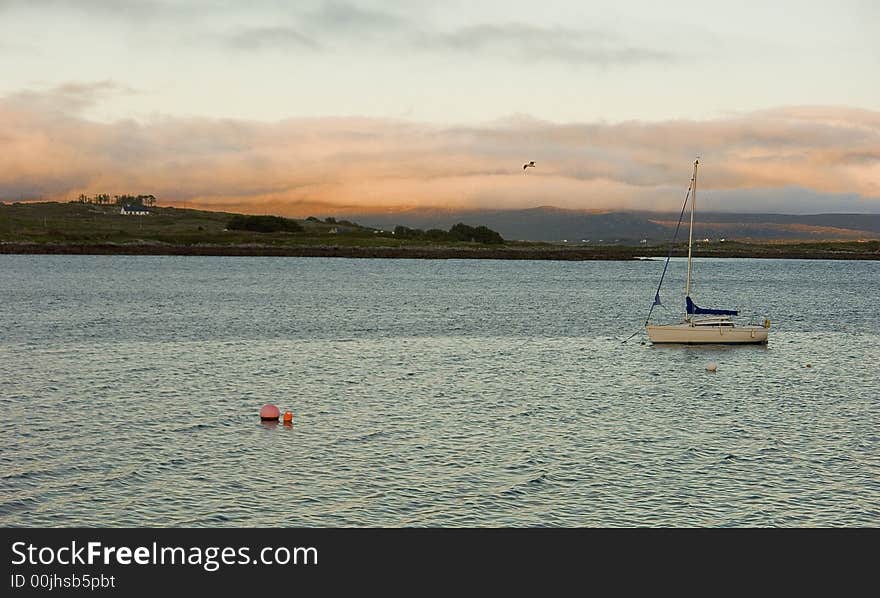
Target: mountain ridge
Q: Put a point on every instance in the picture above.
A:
(554, 224)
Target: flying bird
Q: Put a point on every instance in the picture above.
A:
(532, 164)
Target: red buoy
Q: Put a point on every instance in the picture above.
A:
(269, 412)
(288, 417)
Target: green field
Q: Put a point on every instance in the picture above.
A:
(89, 224)
(51, 227)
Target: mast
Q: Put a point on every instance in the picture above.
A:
(687, 288)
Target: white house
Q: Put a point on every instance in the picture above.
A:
(134, 211)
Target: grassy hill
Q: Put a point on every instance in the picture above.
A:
(89, 224)
(51, 227)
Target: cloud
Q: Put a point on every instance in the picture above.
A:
(525, 43)
(324, 28)
(327, 27)
(796, 159)
(66, 99)
(266, 25)
(112, 9)
(270, 37)
(348, 18)
(337, 24)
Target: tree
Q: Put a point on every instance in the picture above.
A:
(483, 234)
(462, 232)
(480, 234)
(404, 232)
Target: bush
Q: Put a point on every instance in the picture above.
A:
(483, 234)
(480, 234)
(459, 232)
(264, 224)
(404, 232)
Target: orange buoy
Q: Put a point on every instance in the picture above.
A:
(269, 412)
(288, 417)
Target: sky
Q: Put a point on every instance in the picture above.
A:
(310, 107)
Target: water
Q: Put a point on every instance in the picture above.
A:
(431, 393)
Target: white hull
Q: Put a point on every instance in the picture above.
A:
(689, 334)
(701, 326)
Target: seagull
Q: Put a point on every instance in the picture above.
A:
(532, 164)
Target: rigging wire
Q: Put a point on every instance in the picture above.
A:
(656, 301)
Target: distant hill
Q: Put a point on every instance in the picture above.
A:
(78, 222)
(763, 227)
(88, 223)
(82, 228)
(553, 224)
(534, 224)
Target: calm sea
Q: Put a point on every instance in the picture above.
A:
(431, 393)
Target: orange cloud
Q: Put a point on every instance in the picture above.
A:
(303, 166)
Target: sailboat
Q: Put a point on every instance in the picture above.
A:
(701, 325)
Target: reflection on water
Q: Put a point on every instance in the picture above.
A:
(439, 393)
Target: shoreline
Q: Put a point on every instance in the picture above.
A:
(507, 253)
(615, 253)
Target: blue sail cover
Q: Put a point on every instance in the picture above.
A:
(692, 309)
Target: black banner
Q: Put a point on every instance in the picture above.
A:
(152, 561)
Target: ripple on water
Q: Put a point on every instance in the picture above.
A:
(427, 394)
